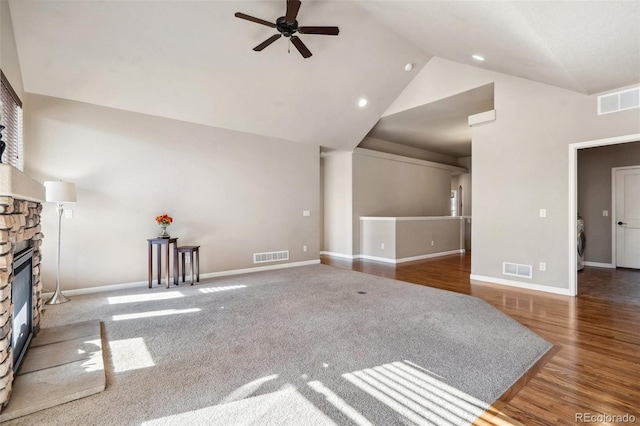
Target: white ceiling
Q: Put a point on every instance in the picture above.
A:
(193, 60)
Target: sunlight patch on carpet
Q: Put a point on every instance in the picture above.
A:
(286, 406)
(149, 314)
(134, 298)
(413, 393)
(224, 288)
(130, 354)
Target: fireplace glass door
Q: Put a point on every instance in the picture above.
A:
(21, 295)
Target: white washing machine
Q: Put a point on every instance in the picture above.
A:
(581, 243)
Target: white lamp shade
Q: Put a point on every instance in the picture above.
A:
(60, 192)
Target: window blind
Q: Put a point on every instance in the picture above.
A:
(11, 119)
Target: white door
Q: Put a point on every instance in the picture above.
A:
(628, 218)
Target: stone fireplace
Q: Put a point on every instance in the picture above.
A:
(20, 239)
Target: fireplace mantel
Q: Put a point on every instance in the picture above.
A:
(16, 184)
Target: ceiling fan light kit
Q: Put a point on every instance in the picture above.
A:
(287, 26)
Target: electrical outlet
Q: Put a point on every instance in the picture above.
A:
(605, 213)
(68, 214)
(304, 248)
(306, 213)
(382, 246)
(543, 212)
(543, 266)
(433, 243)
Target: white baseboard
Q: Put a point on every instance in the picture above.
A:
(389, 260)
(340, 255)
(99, 289)
(408, 259)
(375, 258)
(599, 265)
(429, 256)
(511, 283)
(136, 284)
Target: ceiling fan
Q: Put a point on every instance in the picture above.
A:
(287, 26)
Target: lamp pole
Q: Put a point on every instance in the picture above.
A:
(58, 297)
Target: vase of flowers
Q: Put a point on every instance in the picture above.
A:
(164, 221)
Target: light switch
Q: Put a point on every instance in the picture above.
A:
(306, 213)
(543, 212)
(68, 214)
(605, 213)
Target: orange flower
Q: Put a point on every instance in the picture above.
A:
(164, 219)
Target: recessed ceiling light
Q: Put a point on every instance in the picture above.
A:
(478, 58)
(408, 67)
(362, 102)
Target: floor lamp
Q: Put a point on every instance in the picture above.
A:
(59, 192)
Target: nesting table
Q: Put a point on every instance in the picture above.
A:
(159, 243)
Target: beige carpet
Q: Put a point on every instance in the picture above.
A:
(306, 345)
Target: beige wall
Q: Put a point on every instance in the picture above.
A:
(414, 237)
(520, 165)
(404, 238)
(383, 187)
(8, 53)
(594, 194)
(337, 202)
(375, 234)
(364, 184)
(231, 193)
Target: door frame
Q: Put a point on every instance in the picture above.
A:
(573, 199)
(614, 233)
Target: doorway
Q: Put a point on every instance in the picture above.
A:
(573, 199)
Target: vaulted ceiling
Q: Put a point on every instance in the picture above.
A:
(193, 60)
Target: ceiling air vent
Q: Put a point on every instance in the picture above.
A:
(619, 101)
(517, 270)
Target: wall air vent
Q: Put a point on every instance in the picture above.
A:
(619, 101)
(272, 256)
(517, 270)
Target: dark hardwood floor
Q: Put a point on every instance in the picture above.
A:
(596, 365)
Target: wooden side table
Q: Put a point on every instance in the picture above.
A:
(159, 242)
(194, 258)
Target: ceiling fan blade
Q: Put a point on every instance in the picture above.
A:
(300, 46)
(267, 42)
(293, 6)
(319, 30)
(256, 20)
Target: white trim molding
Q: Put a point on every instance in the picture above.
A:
(511, 283)
(599, 265)
(340, 255)
(409, 259)
(137, 284)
